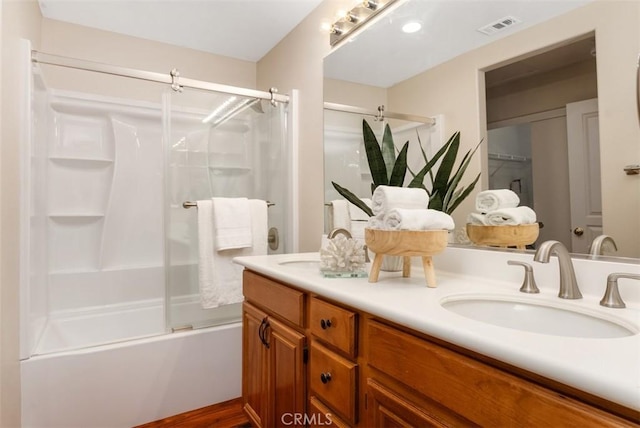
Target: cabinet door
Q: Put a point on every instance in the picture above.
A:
(286, 374)
(254, 365)
(386, 409)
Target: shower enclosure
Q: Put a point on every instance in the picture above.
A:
(109, 249)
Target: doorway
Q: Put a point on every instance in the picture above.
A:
(527, 100)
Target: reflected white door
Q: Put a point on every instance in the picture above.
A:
(584, 173)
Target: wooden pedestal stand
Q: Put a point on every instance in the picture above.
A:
(406, 244)
(503, 236)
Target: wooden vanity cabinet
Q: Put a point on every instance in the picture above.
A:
(274, 360)
(367, 372)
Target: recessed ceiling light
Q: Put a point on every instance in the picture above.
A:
(411, 27)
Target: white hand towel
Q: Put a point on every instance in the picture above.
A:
(490, 200)
(232, 223)
(386, 198)
(339, 217)
(376, 222)
(418, 219)
(205, 246)
(224, 286)
(356, 214)
(477, 219)
(511, 216)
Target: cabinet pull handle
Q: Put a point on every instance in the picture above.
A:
(325, 377)
(264, 333)
(261, 331)
(325, 324)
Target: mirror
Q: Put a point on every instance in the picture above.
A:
(481, 84)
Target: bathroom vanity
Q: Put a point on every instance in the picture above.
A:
(346, 352)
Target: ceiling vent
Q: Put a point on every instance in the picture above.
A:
(499, 25)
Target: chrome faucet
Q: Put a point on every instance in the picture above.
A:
(598, 243)
(568, 284)
(611, 298)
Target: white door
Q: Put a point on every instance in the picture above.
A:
(584, 173)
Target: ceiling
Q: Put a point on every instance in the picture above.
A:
(242, 29)
(249, 29)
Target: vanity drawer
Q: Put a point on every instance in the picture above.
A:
(482, 394)
(320, 415)
(278, 299)
(333, 325)
(334, 380)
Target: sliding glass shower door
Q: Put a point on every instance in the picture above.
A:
(217, 145)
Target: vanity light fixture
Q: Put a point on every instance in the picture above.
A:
(356, 18)
(411, 27)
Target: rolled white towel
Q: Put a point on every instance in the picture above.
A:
(376, 222)
(386, 198)
(477, 219)
(418, 219)
(491, 200)
(511, 216)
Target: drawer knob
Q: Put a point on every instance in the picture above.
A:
(325, 377)
(325, 324)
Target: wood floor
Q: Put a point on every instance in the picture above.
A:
(222, 415)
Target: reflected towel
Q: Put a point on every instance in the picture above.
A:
(356, 214)
(339, 217)
(418, 219)
(223, 285)
(386, 198)
(511, 216)
(477, 219)
(490, 200)
(232, 223)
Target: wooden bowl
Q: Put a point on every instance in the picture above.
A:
(503, 236)
(406, 242)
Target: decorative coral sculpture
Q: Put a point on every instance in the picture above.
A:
(342, 254)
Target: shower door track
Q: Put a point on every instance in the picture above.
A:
(172, 78)
(379, 114)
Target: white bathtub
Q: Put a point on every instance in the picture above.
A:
(133, 382)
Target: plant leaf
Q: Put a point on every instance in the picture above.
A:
(388, 150)
(444, 171)
(399, 168)
(459, 173)
(418, 180)
(353, 199)
(377, 166)
(463, 195)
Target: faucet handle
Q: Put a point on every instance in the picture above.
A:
(611, 298)
(529, 283)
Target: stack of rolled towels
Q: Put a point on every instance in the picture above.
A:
(403, 208)
(500, 207)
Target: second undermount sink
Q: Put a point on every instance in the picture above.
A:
(537, 318)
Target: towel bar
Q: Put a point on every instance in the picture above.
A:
(189, 204)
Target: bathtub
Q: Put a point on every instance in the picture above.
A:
(133, 382)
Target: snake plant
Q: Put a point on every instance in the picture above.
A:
(388, 169)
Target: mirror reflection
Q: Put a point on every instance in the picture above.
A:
(530, 93)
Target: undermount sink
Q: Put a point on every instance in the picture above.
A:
(537, 318)
(302, 264)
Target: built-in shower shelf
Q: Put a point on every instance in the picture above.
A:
(230, 169)
(97, 162)
(77, 215)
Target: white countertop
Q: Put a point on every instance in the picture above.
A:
(607, 368)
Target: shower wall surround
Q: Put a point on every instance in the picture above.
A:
(112, 252)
